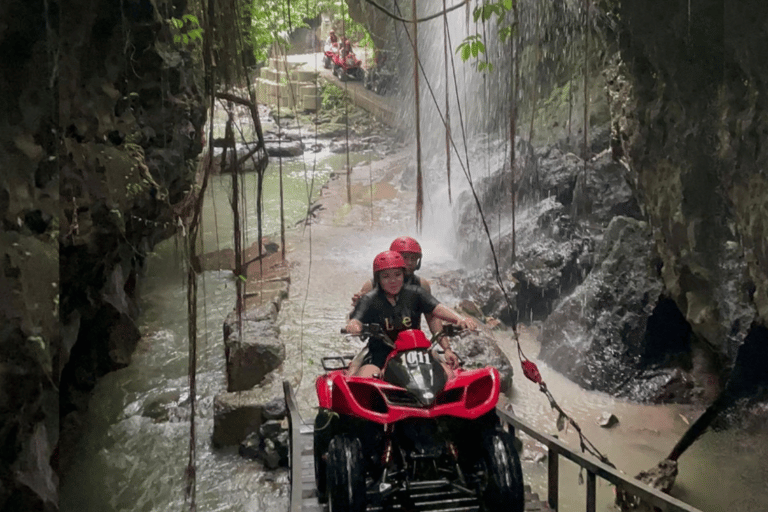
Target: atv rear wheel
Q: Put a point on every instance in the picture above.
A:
(327, 62)
(346, 474)
(321, 437)
(501, 486)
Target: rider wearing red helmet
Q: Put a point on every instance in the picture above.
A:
(410, 250)
(333, 39)
(395, 308)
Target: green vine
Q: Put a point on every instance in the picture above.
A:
(186, 30)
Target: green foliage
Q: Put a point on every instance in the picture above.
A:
(271, 21)
(473, 46)
(333, 97)
(186, 30)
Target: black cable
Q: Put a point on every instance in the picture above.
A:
(418, 20)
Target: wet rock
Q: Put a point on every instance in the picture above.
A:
(284, 148)
(534, 456)
(270, 429)
(602, 191)
(331, 130)
(661, 477)
(275, 409)
(607, 420)
(470, 308)
(554, 176)
(158, 408)
(476, 350)
(481, 287)
(262, 313)
(250, 446)
(659, 386)
(251, 353)
(341, 146)
(236, 415)
(596, 335)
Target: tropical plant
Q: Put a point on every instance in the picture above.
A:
(273, 20)
(186, 30)
(472, 46)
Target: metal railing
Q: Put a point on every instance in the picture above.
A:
(557, 448)
(294, 422)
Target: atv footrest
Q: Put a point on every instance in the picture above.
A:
(424, 496)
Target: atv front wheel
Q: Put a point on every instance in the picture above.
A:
(501, 484)
(327, 62)
(346, 474)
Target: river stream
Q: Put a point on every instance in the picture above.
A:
(127, 461)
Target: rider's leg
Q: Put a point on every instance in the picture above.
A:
(368, 371)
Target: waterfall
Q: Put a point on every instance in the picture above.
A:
(551, 44)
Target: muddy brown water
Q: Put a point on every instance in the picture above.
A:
(129, 462)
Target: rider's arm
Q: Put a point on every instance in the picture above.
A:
(445, 313)
(434, 323)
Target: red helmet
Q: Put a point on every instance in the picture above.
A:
(406, 244)
(386, 260)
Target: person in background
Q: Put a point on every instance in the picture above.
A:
(333, 39)
(397, 307)
(346, 48)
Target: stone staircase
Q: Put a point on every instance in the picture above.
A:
(295, 88)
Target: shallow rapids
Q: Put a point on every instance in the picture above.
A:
(127, 461)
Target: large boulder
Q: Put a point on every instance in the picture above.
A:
(597, 335)
(477, 350)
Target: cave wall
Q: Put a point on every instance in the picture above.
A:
(693, 128)
(29, 287)
(101, 120)
(132, 114)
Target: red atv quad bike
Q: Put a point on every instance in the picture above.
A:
(379, 440)
(347, 66)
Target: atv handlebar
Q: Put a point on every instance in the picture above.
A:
(368, 330)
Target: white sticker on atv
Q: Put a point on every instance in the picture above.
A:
(414, 358)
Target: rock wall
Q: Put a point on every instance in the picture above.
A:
(693, 122)
(29, 196)
(101, 120)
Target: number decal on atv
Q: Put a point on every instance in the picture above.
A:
(414, 358)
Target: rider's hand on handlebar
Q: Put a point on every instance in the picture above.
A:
(354, 327)
(467, 323)
(451, 359)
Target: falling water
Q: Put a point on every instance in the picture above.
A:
(550, 43)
